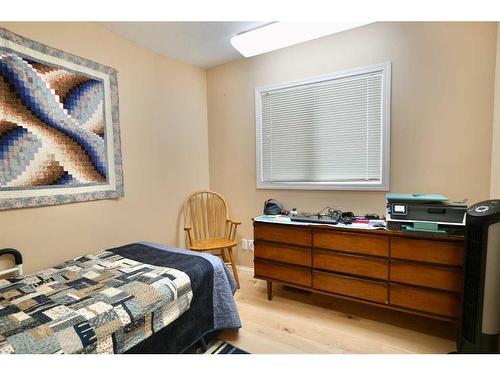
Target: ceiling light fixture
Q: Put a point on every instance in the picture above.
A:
(283, 34)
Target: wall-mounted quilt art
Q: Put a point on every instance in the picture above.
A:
(59, 128)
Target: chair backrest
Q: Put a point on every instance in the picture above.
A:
(206, 213)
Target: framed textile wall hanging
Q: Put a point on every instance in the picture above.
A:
(59, 126)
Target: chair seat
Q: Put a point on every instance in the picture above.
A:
(212, 244)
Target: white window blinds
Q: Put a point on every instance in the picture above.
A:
(325, 133)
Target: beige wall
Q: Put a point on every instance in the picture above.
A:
(495, 154)
(441, 113)
(164, 144)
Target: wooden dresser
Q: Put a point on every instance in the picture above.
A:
(416, 273)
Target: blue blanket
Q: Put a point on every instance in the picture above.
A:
(212, 308)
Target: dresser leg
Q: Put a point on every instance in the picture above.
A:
(269, 290)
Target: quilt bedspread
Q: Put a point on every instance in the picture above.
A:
(102, 303)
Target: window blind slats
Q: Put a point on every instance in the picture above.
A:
(328, 131)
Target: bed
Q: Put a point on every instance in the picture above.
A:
(138, 298)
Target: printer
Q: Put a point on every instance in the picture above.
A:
(425, 213)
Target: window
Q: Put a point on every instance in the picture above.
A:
(328, 132)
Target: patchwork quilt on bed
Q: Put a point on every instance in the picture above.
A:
(103, 303)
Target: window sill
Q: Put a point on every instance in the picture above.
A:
(347, 186)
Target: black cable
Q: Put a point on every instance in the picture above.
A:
(337, 216)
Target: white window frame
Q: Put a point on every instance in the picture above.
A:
(382, 185)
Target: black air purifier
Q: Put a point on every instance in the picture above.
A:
(480, 325)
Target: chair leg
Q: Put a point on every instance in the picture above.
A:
(223, 254)
(235, 270)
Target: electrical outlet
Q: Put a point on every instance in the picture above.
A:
(250, 245)
(244, 244)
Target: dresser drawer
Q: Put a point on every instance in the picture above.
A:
(350, 286)
(288, 234)
(440, 252)
(439, 303)
(283, 253)
(351, 242)
(438, 277)
(353, 264)
(289, 274)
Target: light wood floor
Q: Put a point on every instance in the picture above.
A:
(300, 322)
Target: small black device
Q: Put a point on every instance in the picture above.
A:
(272, 207)
(480, 323)
(347, 220)
(347, 217)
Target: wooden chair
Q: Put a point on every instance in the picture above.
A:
(208, 227)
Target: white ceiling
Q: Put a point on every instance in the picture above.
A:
(204, 44)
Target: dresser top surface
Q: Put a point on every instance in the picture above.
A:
(352, 228)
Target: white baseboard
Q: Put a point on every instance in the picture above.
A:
(243, 268)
